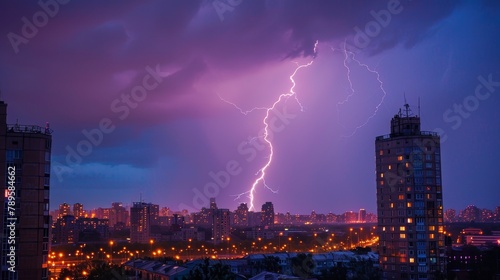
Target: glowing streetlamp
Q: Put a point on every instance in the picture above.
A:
(279, 240)
(111, 250)
(151, 241)
(350, 238)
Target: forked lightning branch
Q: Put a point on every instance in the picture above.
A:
(11, 218)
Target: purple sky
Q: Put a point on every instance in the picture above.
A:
(84, 67)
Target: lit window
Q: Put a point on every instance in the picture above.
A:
(392, 205)
(389, 167)
(381, 152)
(407, 165)
(408, 204)
(402, 235)
(402, 228)
(431, 236)
(412, 260)
(400, 158)
(410, 220)
(383, 228)
(381, 175)
(432, 228)
(401, 197)
(382, 183)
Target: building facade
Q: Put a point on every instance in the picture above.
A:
(267, 214)
(25, 151)
(64, 209)
(362, 216)
(241, 215)
(142, 217)
(78, 210)
(221, 228)
(409, 200)
(119, 215)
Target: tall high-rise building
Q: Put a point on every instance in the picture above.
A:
(241, 215)
(155, 214)
(221, 228)
(409, 200)
(213, 204)
(119, 215)
(267, 214)
(78, 210)
(142, 216)
(25, 152)
(64, 209)
(350, 217)
(165, 211)
(362, 216)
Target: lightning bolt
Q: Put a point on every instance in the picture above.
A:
(350, 54)
(261, 173)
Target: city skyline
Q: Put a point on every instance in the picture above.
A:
(182, 136)
(468, 213)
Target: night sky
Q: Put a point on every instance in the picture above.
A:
(138, 94)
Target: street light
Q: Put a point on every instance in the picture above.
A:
(279, 241)
(350, 238)
(151, 241)
(111, 251)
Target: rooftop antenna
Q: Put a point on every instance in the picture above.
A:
(406, 106)
(419, 106)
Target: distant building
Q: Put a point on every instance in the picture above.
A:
(254, 218)
(142, 216)
(155, 214)
(350, 217)
(64, 209)
(64, 230)
(476, 237)
(471, 213)
(71, 230)
(165, 211)
(470, 262)
(178, 222)
(241, 215)
(91, 229)
(409, 200)
(101, 213)
(221, 228)
(362, 216)
(213, 204)
(313, 217)
(119, 215)
(331, 218)
(267, 214)
(78, 210)
(450, 216)
(25, 153)
(203, 218)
